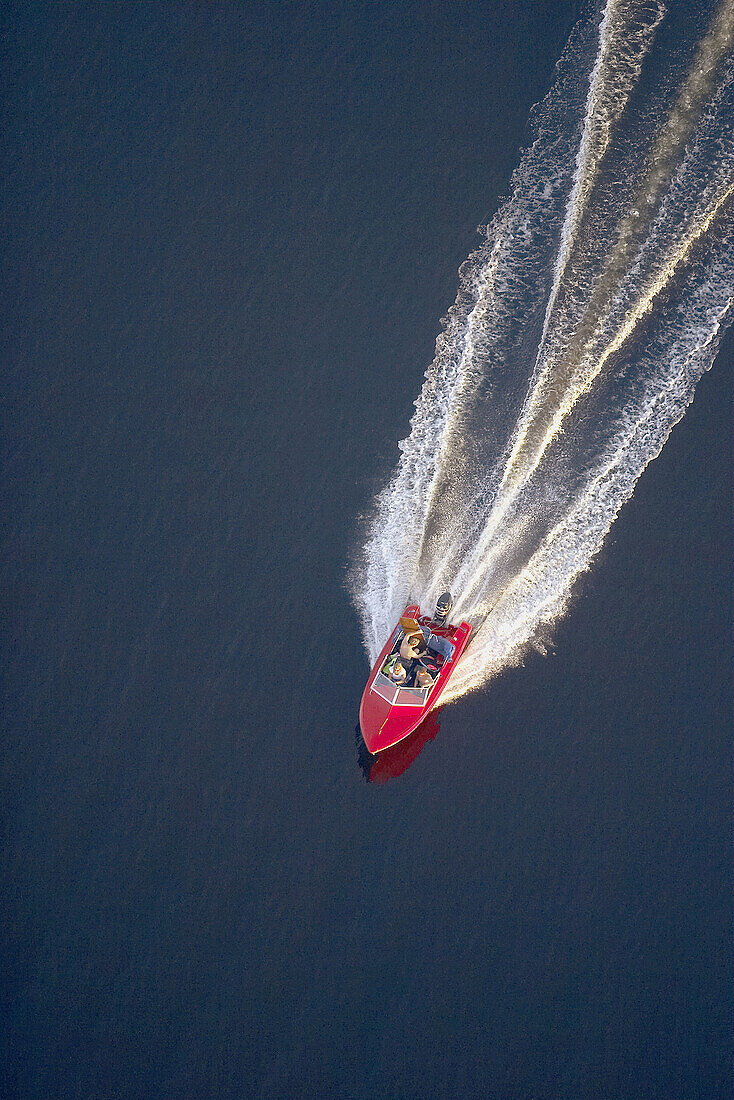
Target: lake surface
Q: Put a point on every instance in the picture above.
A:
(232, 234)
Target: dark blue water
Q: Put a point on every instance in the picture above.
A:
(230, 235)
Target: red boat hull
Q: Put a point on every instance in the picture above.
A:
(389, 713)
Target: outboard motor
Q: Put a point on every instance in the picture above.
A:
(443, 608)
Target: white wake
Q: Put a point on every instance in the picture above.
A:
(581, 327)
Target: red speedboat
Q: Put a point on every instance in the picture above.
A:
(410, 675)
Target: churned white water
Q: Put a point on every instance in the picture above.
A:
(582, 324)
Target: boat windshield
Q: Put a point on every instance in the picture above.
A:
(401, 696)
(413, 694)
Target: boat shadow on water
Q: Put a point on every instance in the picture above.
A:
(392, 762)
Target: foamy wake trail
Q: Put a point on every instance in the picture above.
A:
(581, 327)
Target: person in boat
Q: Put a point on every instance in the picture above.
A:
(423, 678)
(396, 671)
(410, 650)
(413, 646)
(417, 639)
(407, 674)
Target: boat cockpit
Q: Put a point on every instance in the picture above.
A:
(422, 673)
